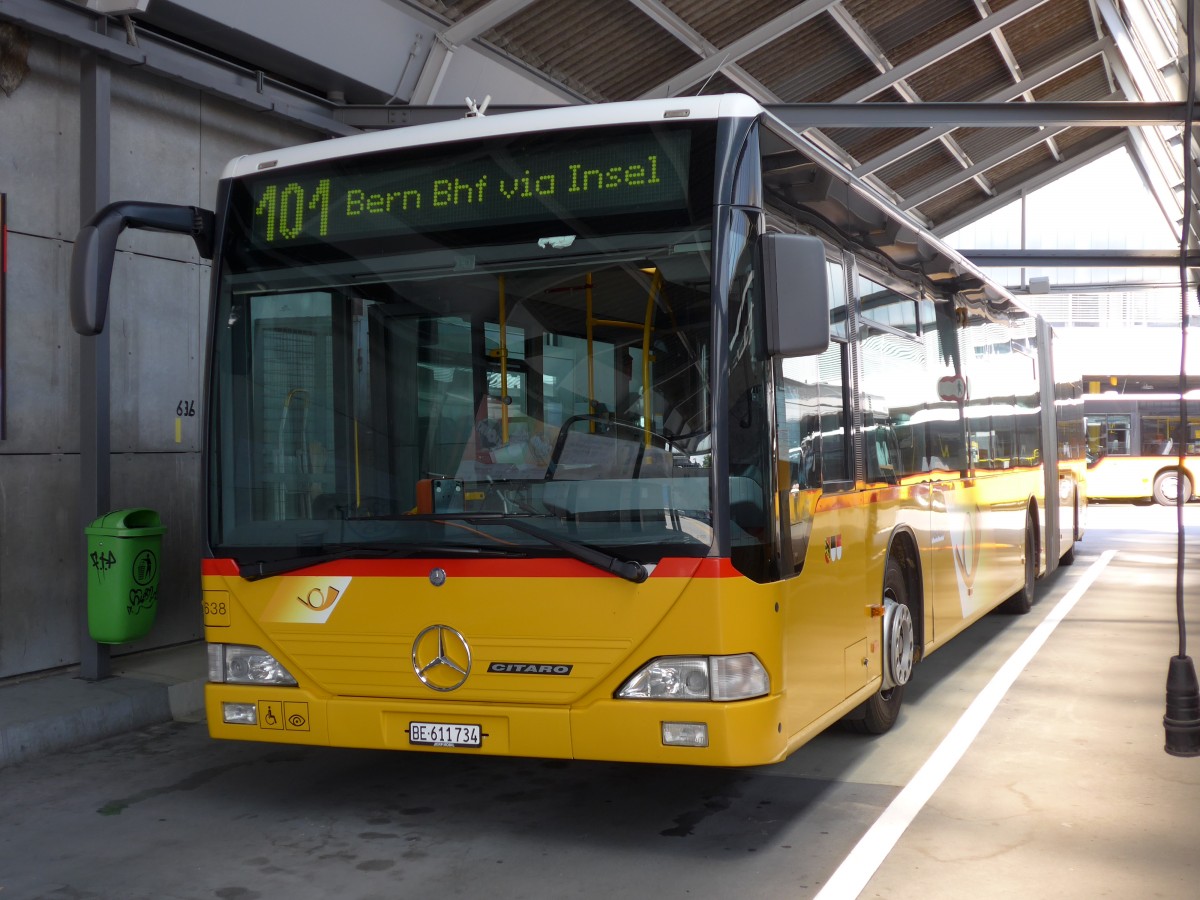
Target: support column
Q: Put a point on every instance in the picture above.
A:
(95, 90)
(1053, 499)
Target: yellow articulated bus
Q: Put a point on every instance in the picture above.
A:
(1134, 444)
(635, 432)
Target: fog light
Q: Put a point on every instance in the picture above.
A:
(685, 734)
(239, 713)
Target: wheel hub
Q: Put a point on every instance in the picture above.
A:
(897, 644)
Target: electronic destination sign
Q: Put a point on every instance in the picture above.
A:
(573, 175)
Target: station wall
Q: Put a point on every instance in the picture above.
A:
(169, 144)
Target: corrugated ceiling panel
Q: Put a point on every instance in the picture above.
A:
(980, 143)
(958, 199)
(610, 50)
(1087, 81)
(903, 28)
(606, 49)
(718, 84)
(453, 9)
(975, 71)
(865, 143)
(1032, 159)
(919, 169)
(1078, 140)
(1049, 32)
(816, 62)
(721, 22)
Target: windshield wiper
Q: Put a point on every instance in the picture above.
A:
(253, 571)
(629, 569)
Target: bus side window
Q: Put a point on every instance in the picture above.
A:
(1117, 439)
(835, 443)
(894, 371)
(882, 451)
(812, 421)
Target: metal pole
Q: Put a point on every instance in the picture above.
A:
(94, 437)
(1049, 419)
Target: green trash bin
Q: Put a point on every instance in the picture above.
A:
(123, 552)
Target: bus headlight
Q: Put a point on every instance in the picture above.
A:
(239, 664)
(719, 678)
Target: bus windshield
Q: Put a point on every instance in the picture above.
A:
(413, 349)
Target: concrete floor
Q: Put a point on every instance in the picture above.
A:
(1064, 792)
(1067, 792)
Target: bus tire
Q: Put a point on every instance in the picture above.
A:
(1022, 601)
(880, 711)
(1168, 483)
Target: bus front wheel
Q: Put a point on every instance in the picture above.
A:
(1168, 485)
(880, 712)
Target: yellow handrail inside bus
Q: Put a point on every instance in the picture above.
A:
(646, 326)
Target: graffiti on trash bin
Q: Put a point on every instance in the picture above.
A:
(102, 562)
(141, 600)
(145, 574)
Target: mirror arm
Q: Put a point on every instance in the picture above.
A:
(96, 247)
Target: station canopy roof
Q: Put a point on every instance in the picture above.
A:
(868, 52)
(952, 108)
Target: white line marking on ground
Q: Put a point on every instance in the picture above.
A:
(869, 853)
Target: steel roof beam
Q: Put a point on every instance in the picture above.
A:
(878, 57)
(1014, 68)
(76, 25)
(666, 19)
(1042, 113)
(802, 116)
(949, 226)
(759, 37)
(916, 198)
(1080, 259)
(441, 50)
(1150, 147)
(1035, 80)
(487, 16)
(941, 50)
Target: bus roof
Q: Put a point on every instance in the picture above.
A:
(473, 127)
(906, 242)
(1113, 397)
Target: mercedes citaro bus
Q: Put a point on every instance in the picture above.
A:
(636, 431)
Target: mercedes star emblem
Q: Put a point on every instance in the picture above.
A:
(441, 658)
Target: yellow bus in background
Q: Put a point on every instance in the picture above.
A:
(638, 432)
(1134, 443)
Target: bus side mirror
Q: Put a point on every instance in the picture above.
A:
(91, 274)
(796, 288)
(96, 245)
